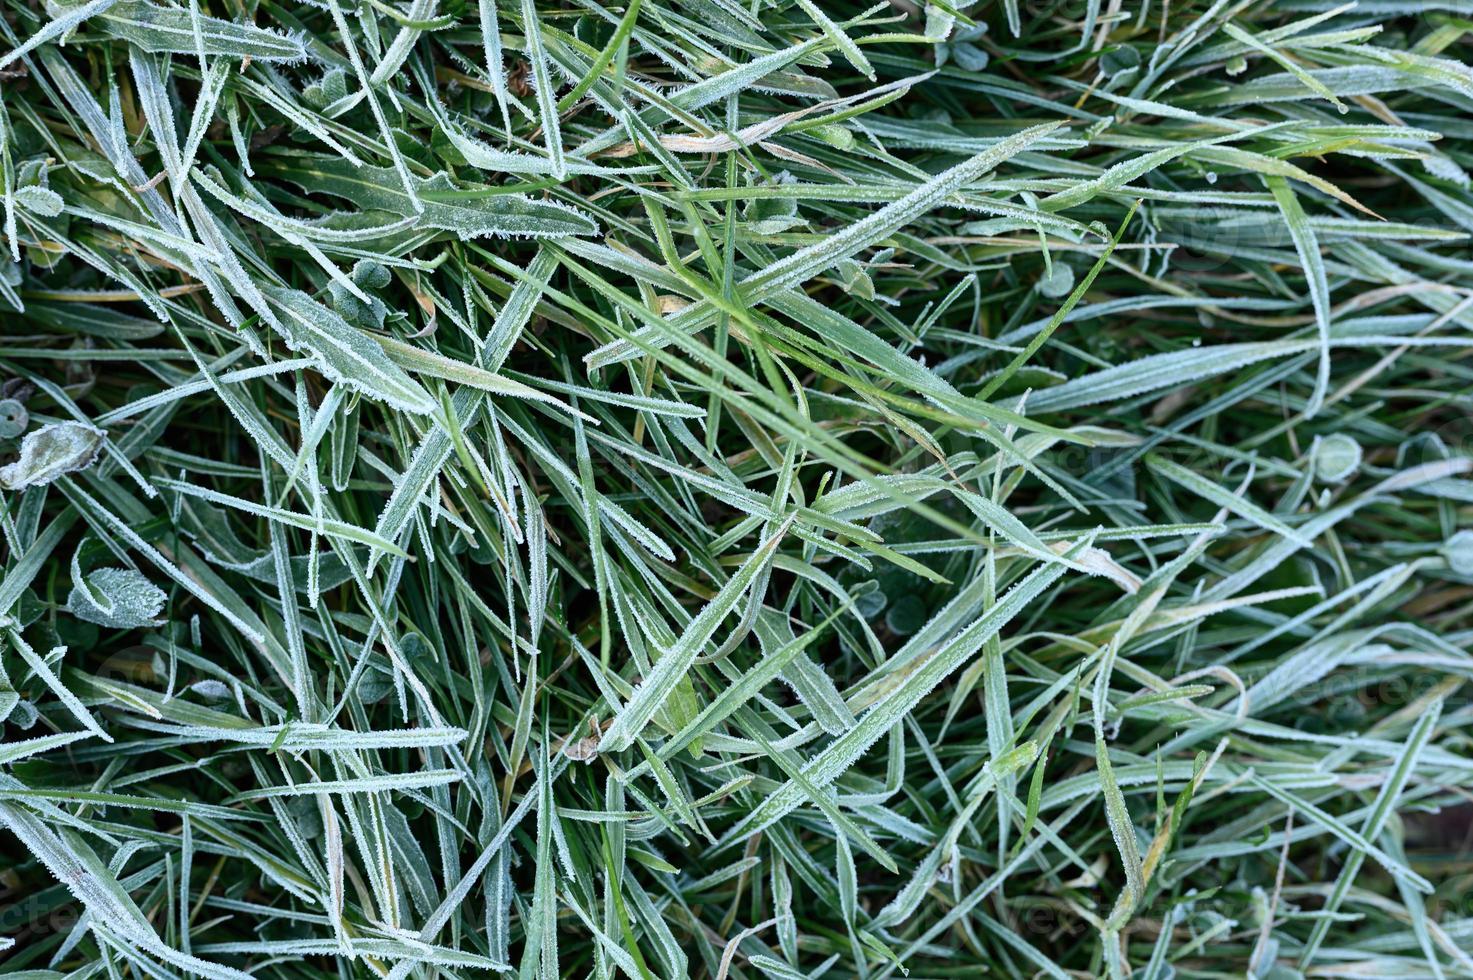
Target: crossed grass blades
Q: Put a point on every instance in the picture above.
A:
(735, 489)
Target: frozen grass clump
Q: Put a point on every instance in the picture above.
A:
(735, 490)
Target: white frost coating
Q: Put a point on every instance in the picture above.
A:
(117, 598)
(547, 110)
(345, 354)
(805, 263)
(50, 452)
(303, 737)
(843, 751)
(676, 662)
(39, 201)
(170, 30)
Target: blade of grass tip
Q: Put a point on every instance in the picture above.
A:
(1306, 245)
(547, 107)
(45, 675)
(844, 826)
(738, 693)
(1059, 317)
(1382, 809)
(68, 20)
(398, 51)
(391, 146)
(611, 50)
(806, 262)
(895, 705)
(1234, 503)
(841, 40)
(276, 515)
(495, 62)
(428, 460)
(652, 692)
(1310, 82)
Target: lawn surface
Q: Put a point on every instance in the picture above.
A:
(736, 489)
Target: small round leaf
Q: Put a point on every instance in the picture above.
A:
(1336, 458)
